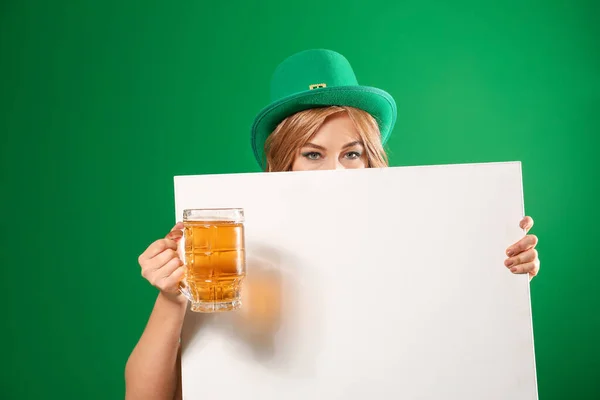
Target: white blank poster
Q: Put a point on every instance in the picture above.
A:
(376, 283)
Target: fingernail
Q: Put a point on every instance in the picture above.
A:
(510, 252)
(508, 262)
(513, 269)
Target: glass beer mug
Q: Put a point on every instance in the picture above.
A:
(213, 250)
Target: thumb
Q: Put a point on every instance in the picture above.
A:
(176, 232)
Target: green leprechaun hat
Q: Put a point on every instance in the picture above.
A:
(318, 78)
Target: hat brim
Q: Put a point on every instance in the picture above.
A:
(376, 102)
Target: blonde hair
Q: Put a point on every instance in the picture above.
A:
(298, 129)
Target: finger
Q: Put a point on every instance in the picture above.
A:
(527, 268)
(172, 282)
(157, 248)
(155, 270)
(176, 232)
(175, 235)
(536, 269)
(178, 226)
(528, 242)
(526, 223)
(160, 260)
(170, 267)
(525, 257)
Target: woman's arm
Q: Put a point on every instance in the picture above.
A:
(153, 371)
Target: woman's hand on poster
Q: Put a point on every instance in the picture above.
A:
(522, 255)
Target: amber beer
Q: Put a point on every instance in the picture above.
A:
(214, 254)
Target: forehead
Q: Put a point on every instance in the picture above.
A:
(337, 129)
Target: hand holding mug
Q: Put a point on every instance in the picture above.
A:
(161, 265)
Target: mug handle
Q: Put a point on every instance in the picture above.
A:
(184, 288)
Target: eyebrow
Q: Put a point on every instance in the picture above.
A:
(352, 144)
(346, 146)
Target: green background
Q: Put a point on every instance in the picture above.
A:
(101, 103)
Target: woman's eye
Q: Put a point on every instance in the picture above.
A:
(353, 155)
(312, 155)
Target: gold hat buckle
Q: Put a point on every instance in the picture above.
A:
(317, 86)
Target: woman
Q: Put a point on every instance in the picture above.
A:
(320, 118)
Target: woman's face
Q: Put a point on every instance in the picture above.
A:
(336, 145)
